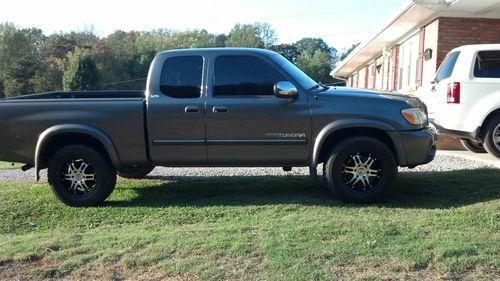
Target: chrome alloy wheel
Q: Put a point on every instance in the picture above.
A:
(79, 177)
(361, 171)
(496, 136)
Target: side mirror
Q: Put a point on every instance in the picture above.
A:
(285, 89)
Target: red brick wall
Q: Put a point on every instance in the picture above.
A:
(455, 32)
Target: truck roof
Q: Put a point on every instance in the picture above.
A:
(223, 50)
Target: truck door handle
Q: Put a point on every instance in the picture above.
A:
(219, 109)
(191, 109)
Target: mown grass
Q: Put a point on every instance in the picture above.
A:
(440, 225)
(6, 165)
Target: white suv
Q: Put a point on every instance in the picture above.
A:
(464, 100)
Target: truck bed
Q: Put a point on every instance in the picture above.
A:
(118, 114)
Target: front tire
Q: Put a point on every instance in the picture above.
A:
(492, 137)
(81, 176)
(360, 170)
(473, 146)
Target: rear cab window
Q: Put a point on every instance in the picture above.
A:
(181, 77)
(487, 64)
(447, 66)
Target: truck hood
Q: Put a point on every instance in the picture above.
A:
(355, 94)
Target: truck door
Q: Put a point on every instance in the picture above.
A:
(246, 124)
(176, 109)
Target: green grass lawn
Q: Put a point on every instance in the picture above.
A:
(6, 165)
(435, 226)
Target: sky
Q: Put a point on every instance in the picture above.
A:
(339, 23)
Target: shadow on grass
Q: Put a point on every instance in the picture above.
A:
(411, 190)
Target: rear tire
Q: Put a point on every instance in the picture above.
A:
(492, 137)
(473, 146)
(81, 176)
(360, 170)
(135, 172)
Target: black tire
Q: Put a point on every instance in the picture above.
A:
(492, 137)
(78, 185)
(351, 160)
(473, 146)
(135, 172)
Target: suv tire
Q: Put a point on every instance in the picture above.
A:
(492, 137)
(360, 170)
(473, 146)
(81, 176)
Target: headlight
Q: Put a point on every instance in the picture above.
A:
(415, 116)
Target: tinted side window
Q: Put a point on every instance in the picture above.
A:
(487, 64)
(244, 76)
(447, 66)
(181, 77)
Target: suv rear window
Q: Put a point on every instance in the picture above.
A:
(447, 66)
(487, 64)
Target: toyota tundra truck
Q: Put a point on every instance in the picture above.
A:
(221, 107)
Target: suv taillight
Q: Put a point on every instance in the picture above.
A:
(453, 92)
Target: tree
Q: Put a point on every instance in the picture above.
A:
(310, 45)
(81, 74)
(18, 78)
(256, 35)
(317, 65)
(347, 51)
(266, 33)
(289, 51)
(316, 58)
(18, 58)
(49, 74)
(244, 35)
(220, 40)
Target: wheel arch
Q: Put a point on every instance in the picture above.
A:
(62, 135)
(487, 119)
(337, 131)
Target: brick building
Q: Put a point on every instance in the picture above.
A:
(404, 54)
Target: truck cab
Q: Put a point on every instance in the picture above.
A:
(219, 108)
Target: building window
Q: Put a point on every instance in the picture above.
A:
(408, 61)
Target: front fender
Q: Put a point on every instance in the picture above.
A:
(93, 132)
(356, 123)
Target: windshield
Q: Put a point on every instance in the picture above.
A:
(305, 81)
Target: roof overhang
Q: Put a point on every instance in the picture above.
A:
(407, 20)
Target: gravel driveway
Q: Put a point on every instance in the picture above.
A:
(440, 164)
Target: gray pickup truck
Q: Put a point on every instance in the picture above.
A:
(216, 107)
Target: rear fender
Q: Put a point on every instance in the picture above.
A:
(86, 130)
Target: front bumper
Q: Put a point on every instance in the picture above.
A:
(417, 147)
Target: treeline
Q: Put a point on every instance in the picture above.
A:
(31, 61)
